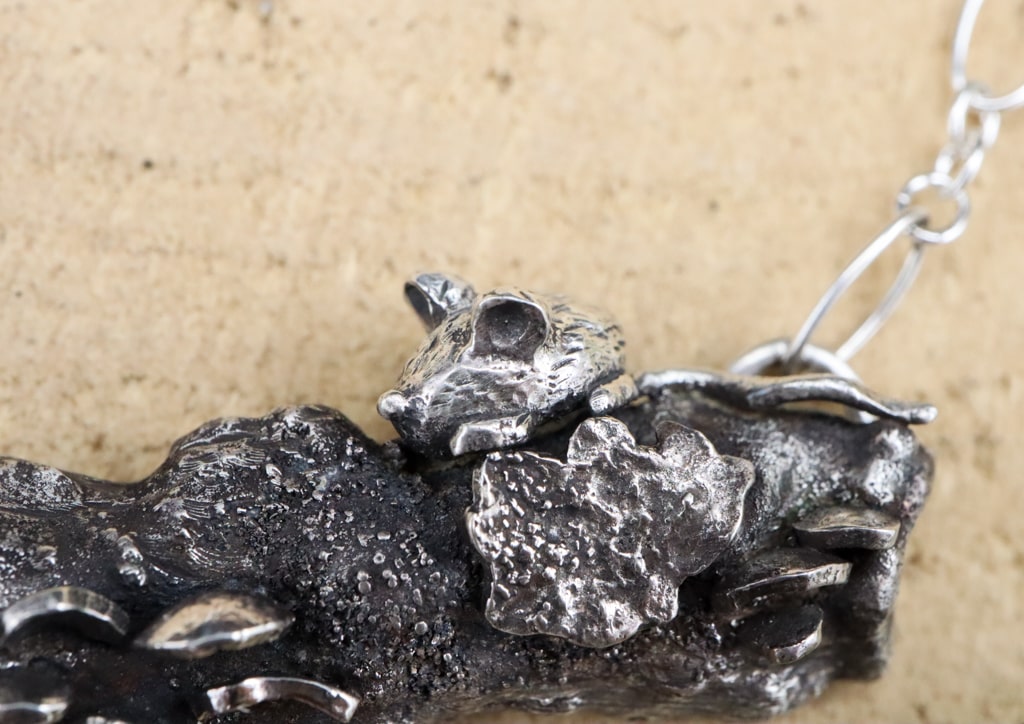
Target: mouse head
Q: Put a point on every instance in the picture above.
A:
(504, 323)
(477, 362)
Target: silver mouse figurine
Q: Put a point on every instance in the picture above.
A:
(495, 367)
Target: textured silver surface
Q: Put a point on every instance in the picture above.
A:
(369, 551)
(495, 367)
(594, 548)
(434, 297)
(215, 621)
(766, 393)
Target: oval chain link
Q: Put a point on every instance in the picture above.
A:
(984, 103)
(972, 126)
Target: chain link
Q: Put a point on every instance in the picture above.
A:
(972, 126)
(958, 75)
(971, 132)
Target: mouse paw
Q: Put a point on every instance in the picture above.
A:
(491, 434)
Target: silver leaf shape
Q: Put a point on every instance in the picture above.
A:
(595, 548)
(215, 621)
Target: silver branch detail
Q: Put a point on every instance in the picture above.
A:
(594, 548)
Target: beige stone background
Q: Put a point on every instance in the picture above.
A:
(207, 207)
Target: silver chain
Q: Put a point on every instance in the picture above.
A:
(972, 126)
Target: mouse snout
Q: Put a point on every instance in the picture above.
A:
(392, 403)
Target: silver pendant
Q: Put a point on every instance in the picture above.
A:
(547, 534)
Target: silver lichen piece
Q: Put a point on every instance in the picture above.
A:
(594, 548)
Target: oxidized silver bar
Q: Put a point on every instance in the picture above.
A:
(545, 535)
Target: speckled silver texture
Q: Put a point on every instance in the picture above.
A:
(706, 548)
(368, 551)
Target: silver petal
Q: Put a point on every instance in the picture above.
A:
(779, 573)
(91, 614)
(33, 695)
(846, 527)
(334, 702)
(215, 621)
(783, 636)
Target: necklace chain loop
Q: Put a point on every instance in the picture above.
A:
(909, 219)
(958, 76)
(972, 126)
(947, 188)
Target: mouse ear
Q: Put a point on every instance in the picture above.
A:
(509, 326)
(435, 297)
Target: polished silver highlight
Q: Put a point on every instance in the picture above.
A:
(32, 712)
(91, 614)
(334, 702)
(215, 621)
(15, 709)
(765, 393)
(848, 527)
(495, 367)
(595, 548)
(783, 637)
(779, 573)
(35, 693)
